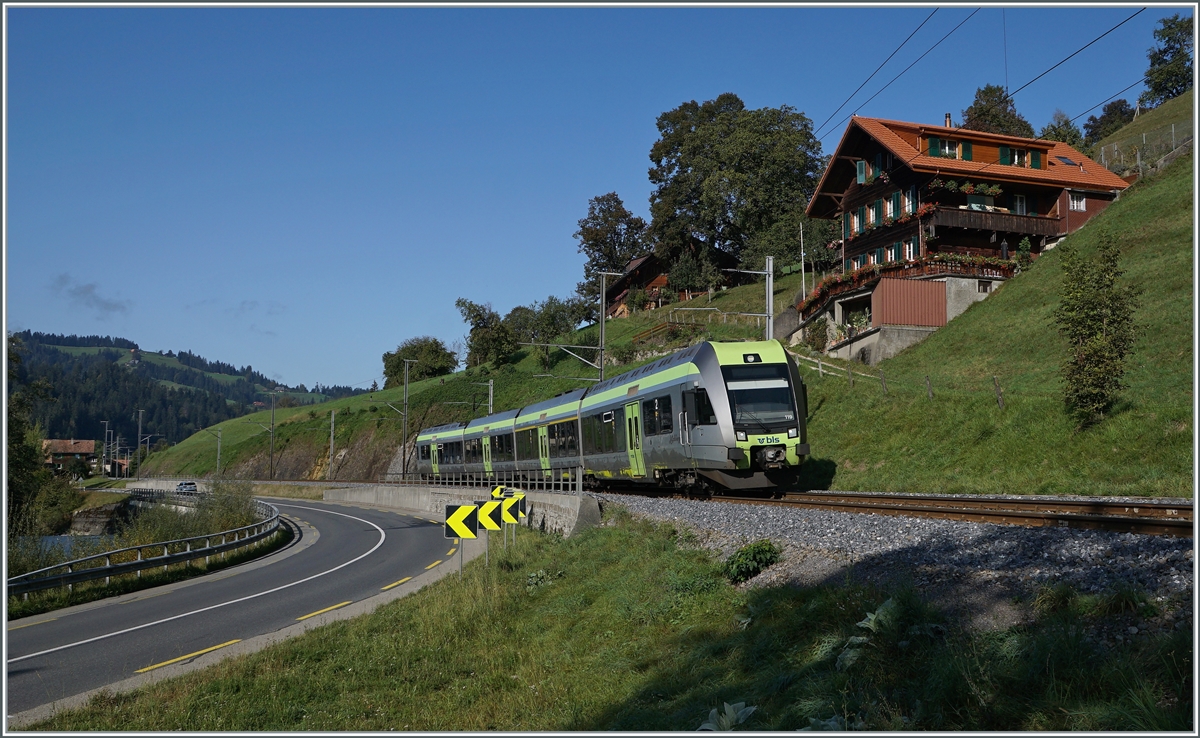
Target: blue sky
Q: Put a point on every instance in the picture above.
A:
(301, 189)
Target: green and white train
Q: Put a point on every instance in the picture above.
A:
(714, 415)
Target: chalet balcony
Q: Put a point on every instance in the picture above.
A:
(935, 265)
(998, 220)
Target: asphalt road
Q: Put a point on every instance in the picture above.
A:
(342, 554)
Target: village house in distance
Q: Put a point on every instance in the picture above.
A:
(932, 220)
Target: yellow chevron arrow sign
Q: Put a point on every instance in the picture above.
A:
(461, 521)
(520, 497)
(501, 492)
(489, 514)
(507, 514)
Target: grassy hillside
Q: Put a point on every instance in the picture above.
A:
(962, 442)
(1177, 111)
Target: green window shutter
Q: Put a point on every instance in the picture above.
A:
(966, 151)
(1005, 155)
(878, 164)
(896, 204)
(845, 225)
(862, 218)
(1035, 159)
(935, 146)
(879, 212)
(846, 266)
(879, 255)
(862, 171)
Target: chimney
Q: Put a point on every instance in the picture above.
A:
(948, 125)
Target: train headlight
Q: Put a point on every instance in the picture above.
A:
(741, 435)
(793, 432)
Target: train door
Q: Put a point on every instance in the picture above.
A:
(683, 424)
(487, 453)
(434, 452)
(633, 439)
(544, 449)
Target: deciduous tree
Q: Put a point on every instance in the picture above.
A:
(1170, 72)
(993, 111)
(1060, 128)
(611, 237)
(1113, 117)
(489, 339)
(432, 357)
(725, 176)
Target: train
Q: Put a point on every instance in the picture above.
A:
(715, 416)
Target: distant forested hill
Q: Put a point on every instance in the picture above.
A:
(87, 389)
(96, 378)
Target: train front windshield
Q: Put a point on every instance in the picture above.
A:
(760, 395)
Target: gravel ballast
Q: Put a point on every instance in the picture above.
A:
(982, 572)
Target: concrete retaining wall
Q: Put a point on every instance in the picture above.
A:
(564, 514)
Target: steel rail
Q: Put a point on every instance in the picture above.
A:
(1146, 518)
(39, 579)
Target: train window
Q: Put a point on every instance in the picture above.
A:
(699, 407)
(760, 394)
(665, 418)
(527, 444)
(650, 417)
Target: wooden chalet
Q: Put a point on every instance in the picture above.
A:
(936, 204)
(59, 452)
(649, 274)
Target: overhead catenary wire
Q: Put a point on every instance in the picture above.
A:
(868, 79)
(1008, 96)
(910, 66)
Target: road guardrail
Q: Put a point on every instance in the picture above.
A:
(88, 568)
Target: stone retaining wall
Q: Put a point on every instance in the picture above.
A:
(564, 514)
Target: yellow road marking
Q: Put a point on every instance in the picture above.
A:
(318, 612)
(397, 584)
(26, 625)
(434, 564)
(455, 541)
(189, 656)
(451, 552)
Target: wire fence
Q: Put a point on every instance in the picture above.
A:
(1142, 150)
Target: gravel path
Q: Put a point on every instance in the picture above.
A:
(985, 574)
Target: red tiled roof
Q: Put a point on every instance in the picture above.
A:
(1088, 175)
(63, 446)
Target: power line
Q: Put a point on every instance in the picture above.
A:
(868, 79)
(1122, 92)
(910, 66)
(1008, 96)
(1056, 66)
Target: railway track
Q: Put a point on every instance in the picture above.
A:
(1150, 517)
(1155, 518)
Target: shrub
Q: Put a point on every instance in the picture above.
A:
(816, 335)
(622, 354)
(1096, 317)
(749, 560)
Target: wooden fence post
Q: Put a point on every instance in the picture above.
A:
(882, 381)
(820, 370)
(928, 387)
(999, 394)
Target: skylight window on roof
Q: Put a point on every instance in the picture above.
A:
(1066, 160)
